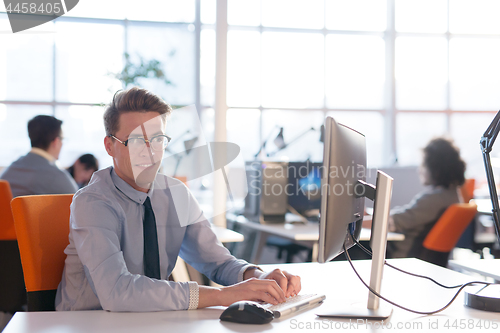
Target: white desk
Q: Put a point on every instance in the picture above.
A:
(300, 233)
(484, 206)
(484, 267)
(336, 280)
(226, 235)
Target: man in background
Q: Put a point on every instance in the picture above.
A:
(36, 172)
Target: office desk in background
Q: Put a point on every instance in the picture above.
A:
(484, 206)
(485, 267)
(484, 234)
(226, 235)
(335, 279)
(305, 234)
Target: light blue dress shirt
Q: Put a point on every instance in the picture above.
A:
(104, 264)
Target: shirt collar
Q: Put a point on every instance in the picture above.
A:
(44, 154)
(129, 191)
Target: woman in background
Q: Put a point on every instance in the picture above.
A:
(83, 168)
(443, 170)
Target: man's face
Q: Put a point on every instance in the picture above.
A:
(136, 165)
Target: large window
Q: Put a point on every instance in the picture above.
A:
(296, 66)
(399, 71)
(447, 76)
(63, 68)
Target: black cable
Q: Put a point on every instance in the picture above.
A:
(402, 307)
(403, 271)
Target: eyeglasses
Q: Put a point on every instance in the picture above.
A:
(157, 143)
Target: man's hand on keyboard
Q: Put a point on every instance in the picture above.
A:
(289, 283)
(252, 289)
(268, 287)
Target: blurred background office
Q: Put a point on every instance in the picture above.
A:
(399, 71)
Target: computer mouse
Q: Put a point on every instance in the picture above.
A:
(247, 312)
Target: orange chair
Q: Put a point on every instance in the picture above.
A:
(12, 290)
(42, 227)
(445, 234)
(7, 229)
(467, 189)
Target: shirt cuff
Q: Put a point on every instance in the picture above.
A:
(194, 295)
(244, 269)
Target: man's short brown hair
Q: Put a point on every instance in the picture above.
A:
(42, 130)
(132, 100)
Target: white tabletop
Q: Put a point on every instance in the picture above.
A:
(484, 267)
(300, 231)
(483, 205)
(336, 280)
(226, 235)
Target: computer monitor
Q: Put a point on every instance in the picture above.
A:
(267, 199)
(273, 187)
(304, 187)
(344, 189)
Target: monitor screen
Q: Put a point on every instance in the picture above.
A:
(344, 163)
(304, 187)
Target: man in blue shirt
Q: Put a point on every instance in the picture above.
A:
(36, 172)
(110, 264)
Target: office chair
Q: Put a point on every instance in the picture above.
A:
(467, 189)
(467, 241)
(7, 229)
(12, 290)
(445, 234)
(42, 227)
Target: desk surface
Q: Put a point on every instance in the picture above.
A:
(484, 267)
(300, 231)
(226, 235)
(336, 280)
(484, 205)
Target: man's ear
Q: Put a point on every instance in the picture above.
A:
(108, 145)
(55, 142)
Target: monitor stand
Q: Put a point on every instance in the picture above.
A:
(373, 310)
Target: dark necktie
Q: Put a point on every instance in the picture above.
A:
(151, 254)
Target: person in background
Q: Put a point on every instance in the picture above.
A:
(32, 174)
(36, 172)
(443, 171)
(83, 168)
